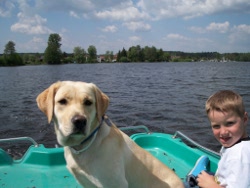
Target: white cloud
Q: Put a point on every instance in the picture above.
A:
(212, 27)
(30, 25)
(6, 8)
(124, 13)
(176, 36)
(191, 8)
(134, 15)
(35, 44)
(197, 29)
(110, 28)
(178, 42)
(137, 26)
(243, 28)
(63, 30)
(237, 36)
(37, 40)
(78, 6)
(134, 38)
(240, 35)
(220, 27)
(73, 14)
(128, 10)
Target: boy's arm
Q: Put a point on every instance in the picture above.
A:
(206, 180)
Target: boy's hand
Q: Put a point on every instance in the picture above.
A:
(206, 180)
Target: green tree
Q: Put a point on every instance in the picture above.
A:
(2, 61)
(245, 57)
(150, 54)
(32, 58)
(67, 58)
(166, 56)
(135, 54)
(123, 56)
(140, 53)
(92, 54)
(10, 48)
(123, 53)
(25, 58)
(53, 53)
(11, 58)
(79, 55)
(118, 56)
(132, 54)
(160, 55)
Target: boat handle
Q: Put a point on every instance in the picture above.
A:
(20, 139)
(193, 142)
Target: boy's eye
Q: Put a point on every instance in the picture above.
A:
(216, 126)
(230, 123)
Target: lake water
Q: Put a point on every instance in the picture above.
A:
(165, 97)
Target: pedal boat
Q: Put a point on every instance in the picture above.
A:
(42, 167)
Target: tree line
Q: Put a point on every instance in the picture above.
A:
(152, 54)
(54, 55)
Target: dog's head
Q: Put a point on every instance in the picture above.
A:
(76, 109)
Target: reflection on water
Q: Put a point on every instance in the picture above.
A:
(163, 96)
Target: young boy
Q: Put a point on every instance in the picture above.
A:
(228, 118)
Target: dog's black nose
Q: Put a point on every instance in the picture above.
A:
(79, 122)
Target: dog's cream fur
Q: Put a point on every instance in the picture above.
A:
(113, 159)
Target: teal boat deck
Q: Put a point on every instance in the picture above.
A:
(174, 153)
(42, 167)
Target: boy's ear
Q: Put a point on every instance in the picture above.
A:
(246, 118)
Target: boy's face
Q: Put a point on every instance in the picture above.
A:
(228, 127)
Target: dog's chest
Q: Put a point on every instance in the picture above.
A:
(83, 169)
(96, 169)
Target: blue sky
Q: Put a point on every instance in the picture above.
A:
(183, 25)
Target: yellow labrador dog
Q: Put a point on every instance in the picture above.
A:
(98, 154)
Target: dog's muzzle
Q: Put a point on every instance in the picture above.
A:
(79, 123)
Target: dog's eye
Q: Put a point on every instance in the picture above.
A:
(87, 102)
(63, 101)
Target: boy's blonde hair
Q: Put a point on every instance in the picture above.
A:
(226, 101)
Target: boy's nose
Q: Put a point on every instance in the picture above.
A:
(223, 130)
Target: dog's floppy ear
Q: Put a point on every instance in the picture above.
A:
(102, 102)
(45, 100)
